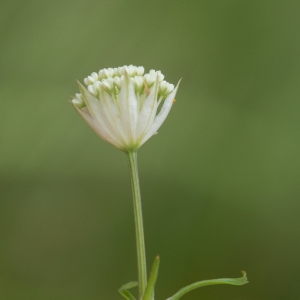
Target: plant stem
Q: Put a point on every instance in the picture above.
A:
(138, 216)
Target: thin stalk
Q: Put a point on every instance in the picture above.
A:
(138, 217)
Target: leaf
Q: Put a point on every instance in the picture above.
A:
(149, 292)
(123, 290)
(233, 281)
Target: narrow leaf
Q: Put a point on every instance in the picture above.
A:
(232, 281)
(123, 290)
(149, 292)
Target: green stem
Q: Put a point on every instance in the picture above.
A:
(139, 229)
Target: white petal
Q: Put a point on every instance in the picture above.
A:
(111, 114)
(97, 128)
(129, 108)
(97, 112)
(148, 111)
(160, 118)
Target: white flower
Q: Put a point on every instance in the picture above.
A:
(122, 104)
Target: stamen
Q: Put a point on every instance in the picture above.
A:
(146, 89)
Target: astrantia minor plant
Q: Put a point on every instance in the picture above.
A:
(125, 107)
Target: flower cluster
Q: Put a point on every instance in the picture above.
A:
(121, 104)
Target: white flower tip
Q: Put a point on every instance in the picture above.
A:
(80, 84)
(178, 82)
(140, 71)
(82, 89)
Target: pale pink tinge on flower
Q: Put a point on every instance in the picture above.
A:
(122, 105)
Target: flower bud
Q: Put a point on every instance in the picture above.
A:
(138, 84)
(116, 72)
(102, 74)
(165, 88)
(149, 79)
(97, 87)
(118, 81)
(110, 72)
(121, 70)
(78, 101)
(92, 90)
(91, 79)
(140, 71)
(157, 73)
(108, 84)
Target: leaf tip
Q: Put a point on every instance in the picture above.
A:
(245, 276)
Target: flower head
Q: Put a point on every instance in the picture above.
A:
(122, 104)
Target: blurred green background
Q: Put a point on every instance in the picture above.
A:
(220, 182)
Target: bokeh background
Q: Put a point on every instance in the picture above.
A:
(220, 182)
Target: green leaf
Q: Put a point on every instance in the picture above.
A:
(232, 281)
(123, 290)
(149, 292)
